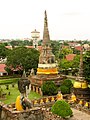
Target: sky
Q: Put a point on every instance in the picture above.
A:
(67, 19)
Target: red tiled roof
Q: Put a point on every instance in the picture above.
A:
(78, 48)
(39, 47)
(29, 47)
(70, 57)
(2, 68)
(9, 47)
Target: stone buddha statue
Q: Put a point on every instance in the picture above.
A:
(24, 86)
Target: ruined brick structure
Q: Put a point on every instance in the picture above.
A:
(47, 67)
(7, 113)
(81, 89)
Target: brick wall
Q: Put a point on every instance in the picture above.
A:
(36, 113)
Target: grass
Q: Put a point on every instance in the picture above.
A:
(8, 77)
(14, 92)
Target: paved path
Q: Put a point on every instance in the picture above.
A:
(79, 115)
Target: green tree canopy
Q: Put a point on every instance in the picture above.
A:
(61, 108)
(49, 88)
(23, 57)
(65, 64)
(17, 42)
(86, 62)
(66, 51)
(55, 45)
(3, 51)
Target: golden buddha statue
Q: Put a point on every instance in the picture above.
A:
(52, 99)
(80, 102)
(59, 95)
(86, 105)
(47, 100)
(73, 97)
(41, 101)
(35, 102)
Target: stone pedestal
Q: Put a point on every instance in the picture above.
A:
(37, 90)
(33, 88)
(40, 91)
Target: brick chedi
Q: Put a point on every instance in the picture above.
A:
(47, 67)
(81, 89)
(47, 64)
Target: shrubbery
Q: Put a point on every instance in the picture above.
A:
(49, 88)
(62, 109)
(67, 83)
(66, 87)
(9, 81)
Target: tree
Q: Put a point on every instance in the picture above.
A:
(40, 42)
(26, 42)
(62, 109)
(49, 88)
(66, 86)
(22, 57)
(64, 89)
(65, 64)
(66, 51)
(18, 42)
(55, 45)
(67, 83)
(3, 51)
(76, 61)
(86, 67)
(75, 51)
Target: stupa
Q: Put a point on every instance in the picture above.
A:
(81, 89)
(47, 64)
(47, 67)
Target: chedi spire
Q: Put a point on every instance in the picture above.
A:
(80, 73)
(46, 37)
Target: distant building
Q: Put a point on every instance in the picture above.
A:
(72, 44)
(5, 40)
(86, 47)
(3, 60)
(35, 37)
(78, 48)
(8, 47)
(70, 57)
(39, 48)
(2, 70)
